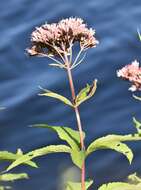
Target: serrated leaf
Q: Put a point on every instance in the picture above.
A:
(67, 134)
(120, 186)
(78, 157)
(86, 93)
(137, 125)
(12, 176)
(114, 145)
(113, 138)
(8, 156)
(57, 96)
(39, 152)
(114, 142)
(77, 185)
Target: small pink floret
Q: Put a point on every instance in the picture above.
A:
(56, 38)
(131, 72)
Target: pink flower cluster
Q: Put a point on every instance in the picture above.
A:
(131, 72)
(57, 38)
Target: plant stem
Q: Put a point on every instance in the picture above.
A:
(78, 123)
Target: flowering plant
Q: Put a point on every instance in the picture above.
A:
(57, 41)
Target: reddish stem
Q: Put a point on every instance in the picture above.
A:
(78, 124)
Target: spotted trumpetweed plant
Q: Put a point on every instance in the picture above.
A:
(56, 41)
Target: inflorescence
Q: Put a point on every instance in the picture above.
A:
(57, 39)
(131, 72)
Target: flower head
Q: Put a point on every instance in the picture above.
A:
(131, 72)
(56, 39)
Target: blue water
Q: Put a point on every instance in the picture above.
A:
(110, 111)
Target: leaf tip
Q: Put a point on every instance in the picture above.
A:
(139, 34)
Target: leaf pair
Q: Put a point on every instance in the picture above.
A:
(114, 142)
(82, 96)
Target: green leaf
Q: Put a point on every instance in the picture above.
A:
(39, 152)
(57, 96)
(67, 134)
(120, 186)
(78, 157)
(113, 138)
(8, 156)
(86, 93)
(114, 142)
(77, 185)
(12, 176)
(137, 125)
(139, 34)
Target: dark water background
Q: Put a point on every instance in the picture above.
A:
(110, 111)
